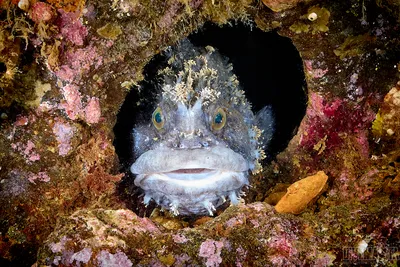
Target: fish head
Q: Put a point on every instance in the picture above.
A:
(199, 144)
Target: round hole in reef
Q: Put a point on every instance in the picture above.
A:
(269, 69)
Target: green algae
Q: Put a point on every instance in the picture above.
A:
(320, 23)
(377, 125)
(353, 46)
(110, 31)
(316, 20)
(299, 27)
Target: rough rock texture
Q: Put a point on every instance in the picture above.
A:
(65, 69)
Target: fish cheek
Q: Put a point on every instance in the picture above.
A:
(236, 134)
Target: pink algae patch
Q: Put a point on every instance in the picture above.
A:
(211, 250)
(72, 104)
(41, 12)
(60, 246)
(146, 225)
(332, 119)
(71, 27)
(74, 108)
(106, 259)
(77, 62)
(64, 133)
(27, 151)
(41, 176)
(235, 221)
(92, 111)
(314, 72)
(21, 121)
(179, 238)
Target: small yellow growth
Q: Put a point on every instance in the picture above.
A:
(21, 29)
(188, 10)
(171, 60)
(210, 49)
(42, 30)
(128, 84)
(316, 20)
(299, 27)
(353, 46)
(51, 52)
(257, 164)
(40, 90)
(257, 132)
(2, 40)
(319, 16)
(166, 71)
(321, 145)
(296, 161)
(110, 31)
(377, 125)
(168, 260)
(167, 220)
(276, 24)
(301, 193)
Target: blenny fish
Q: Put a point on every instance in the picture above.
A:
(197, 149)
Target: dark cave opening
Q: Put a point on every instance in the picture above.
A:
(269, 69)
(3, 68)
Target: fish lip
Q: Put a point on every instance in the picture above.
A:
(190, 173)
(191, 170)
(169, 160)
(172, 183)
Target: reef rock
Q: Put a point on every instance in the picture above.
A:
(66, 68)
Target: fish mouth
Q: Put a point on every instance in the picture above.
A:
(191, 181)
(167, 160)
(198, 170)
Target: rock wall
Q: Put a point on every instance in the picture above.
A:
(65, 69)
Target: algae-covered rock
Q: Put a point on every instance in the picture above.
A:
(66, 68)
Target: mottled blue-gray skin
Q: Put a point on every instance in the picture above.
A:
(197, 149)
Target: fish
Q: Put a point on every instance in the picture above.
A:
(202, 142)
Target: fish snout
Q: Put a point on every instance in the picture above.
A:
(192, 140)
(193, 143)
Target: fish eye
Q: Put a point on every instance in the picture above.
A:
(219, 120)
(158, 118)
